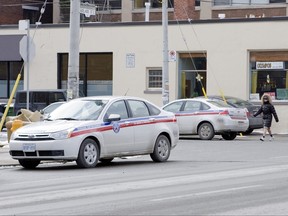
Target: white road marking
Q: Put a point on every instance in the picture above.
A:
(207, 193)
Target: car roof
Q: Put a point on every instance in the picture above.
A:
(110, 97)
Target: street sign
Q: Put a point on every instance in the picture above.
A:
(23, 48)
(87, 9)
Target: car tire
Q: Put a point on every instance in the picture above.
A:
(162, 149)
(229, 136)
(29, 164)
(106, 160)
(206, 131)
(249, 131)
(88, 154)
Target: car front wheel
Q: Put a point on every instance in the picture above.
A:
(162, 149)
(206, 131)
(88, 154)
(29, 164)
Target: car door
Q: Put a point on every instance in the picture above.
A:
(143, 124)
(119, 138)
(190, 116)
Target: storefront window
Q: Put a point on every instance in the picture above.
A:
(153, 4)
(247, 2)
(9, 71)
(269, 75)
(192, 75)
(95, 73)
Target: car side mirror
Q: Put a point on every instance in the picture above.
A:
(113, 117)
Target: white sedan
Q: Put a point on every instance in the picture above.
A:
(92, 129)
(207, 117)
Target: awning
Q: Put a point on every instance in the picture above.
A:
(9, 47)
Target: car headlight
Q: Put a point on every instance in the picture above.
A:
(14, 135)
(65, 134)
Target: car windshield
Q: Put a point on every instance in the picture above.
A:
(238, 102)
(78, 110)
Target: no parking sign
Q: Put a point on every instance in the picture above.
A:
(172, 55)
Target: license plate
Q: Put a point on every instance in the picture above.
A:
(240, 122)
(29, 147)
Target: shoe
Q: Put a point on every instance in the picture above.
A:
(271, 138)
(262, 139)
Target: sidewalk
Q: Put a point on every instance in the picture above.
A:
(5, 158)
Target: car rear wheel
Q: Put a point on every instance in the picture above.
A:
(206, 131)
(229, 136)
(88, 154)
(29, 164)
(162, 149)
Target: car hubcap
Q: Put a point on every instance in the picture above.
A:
(163, 148)
(90, 153)
(205, 131)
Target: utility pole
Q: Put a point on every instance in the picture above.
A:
(165, 69)
(73, 60)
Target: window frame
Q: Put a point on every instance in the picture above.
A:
(151, 69)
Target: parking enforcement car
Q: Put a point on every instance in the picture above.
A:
(92, 129)
(207, 117)
(254, 122)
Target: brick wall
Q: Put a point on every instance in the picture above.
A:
(242, 13)
(184, 7)
(154, 16)
(10, 11)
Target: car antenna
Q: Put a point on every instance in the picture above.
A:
(126, 92)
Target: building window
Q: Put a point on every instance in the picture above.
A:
(192, 75)
(269, 75)
(108, 4)
(153, 3)
(95, 73)
(246, 2)
(9, 71)
(154, 78)
(197, 3)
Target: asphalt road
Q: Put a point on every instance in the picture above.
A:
(240, 177)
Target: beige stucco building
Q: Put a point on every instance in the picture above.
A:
(234, 57)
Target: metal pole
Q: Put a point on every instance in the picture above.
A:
(28, 62)
(147, 11)
(73, 60)
(165, 69)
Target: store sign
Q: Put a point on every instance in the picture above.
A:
(269, 65)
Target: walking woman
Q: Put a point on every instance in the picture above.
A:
(268, 110)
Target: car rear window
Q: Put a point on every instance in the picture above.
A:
(219, 103)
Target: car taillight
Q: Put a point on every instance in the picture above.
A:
(248, 114)
(224, 112)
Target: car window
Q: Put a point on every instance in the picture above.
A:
(56, 96)
(192, 106)
(79, 110)
(119, 108)
(219, 103)
(153, 110)
(39, 97)
(239, 102)
(174, 107)
(138, 108)
(205, 106)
